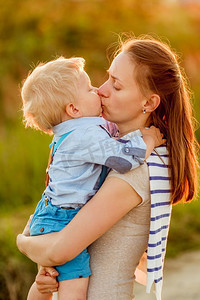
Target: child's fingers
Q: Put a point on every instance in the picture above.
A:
(164, 141)
(46, 284)
(48, 271)
(51, 272)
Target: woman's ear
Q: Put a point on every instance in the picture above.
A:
(152, 103)
(73, 111)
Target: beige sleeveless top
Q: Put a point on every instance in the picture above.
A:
(115, 255)
(138, 179)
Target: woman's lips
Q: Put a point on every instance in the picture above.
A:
(101, 99)
(102, 104)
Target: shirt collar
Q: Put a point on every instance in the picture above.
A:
(130, 135)
(73, 124)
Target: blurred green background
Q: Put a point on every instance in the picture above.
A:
(34, 31)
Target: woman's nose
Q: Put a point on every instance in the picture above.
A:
(102, 91)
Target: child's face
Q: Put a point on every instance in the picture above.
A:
(88, 101)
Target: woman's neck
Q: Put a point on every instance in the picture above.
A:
(125, 128)
(124, 132)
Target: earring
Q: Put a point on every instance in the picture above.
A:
(144, 111)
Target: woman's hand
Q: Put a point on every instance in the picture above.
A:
(46, 280)
(21, 237)
(20, 242)
(26, 230)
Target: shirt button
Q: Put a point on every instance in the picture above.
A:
(127, 150)
(41, 229)
(46, 201)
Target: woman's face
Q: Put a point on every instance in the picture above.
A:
(121, 98)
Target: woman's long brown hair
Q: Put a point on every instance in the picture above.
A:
(157, 69)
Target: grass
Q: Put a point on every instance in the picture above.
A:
(184, 234)
(17, 271)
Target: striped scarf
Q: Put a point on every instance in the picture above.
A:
(158, 164)
(160, 217)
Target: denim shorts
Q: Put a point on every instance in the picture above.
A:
(49, 218)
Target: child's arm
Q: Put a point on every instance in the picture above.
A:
(146, 134)
(50, 284)
(35, 294)
(97, 147)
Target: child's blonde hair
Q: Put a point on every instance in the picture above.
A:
(48, 89)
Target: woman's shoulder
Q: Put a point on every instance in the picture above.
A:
(138, 179)
(142, 170)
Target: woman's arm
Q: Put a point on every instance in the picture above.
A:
(114, 200)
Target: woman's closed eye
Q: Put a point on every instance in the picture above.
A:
(116, 87)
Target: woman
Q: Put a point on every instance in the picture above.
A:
(145, 87)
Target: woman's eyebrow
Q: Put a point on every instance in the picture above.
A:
(112, 76)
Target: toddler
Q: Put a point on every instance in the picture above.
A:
(59, 99)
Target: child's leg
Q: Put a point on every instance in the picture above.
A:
(35, 294)
(73, 289)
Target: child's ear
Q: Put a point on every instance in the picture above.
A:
(152, 103)
(73, 111)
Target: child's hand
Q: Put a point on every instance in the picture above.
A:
(26, 231)
(152, 138)
(46, 280)
(155, 134)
